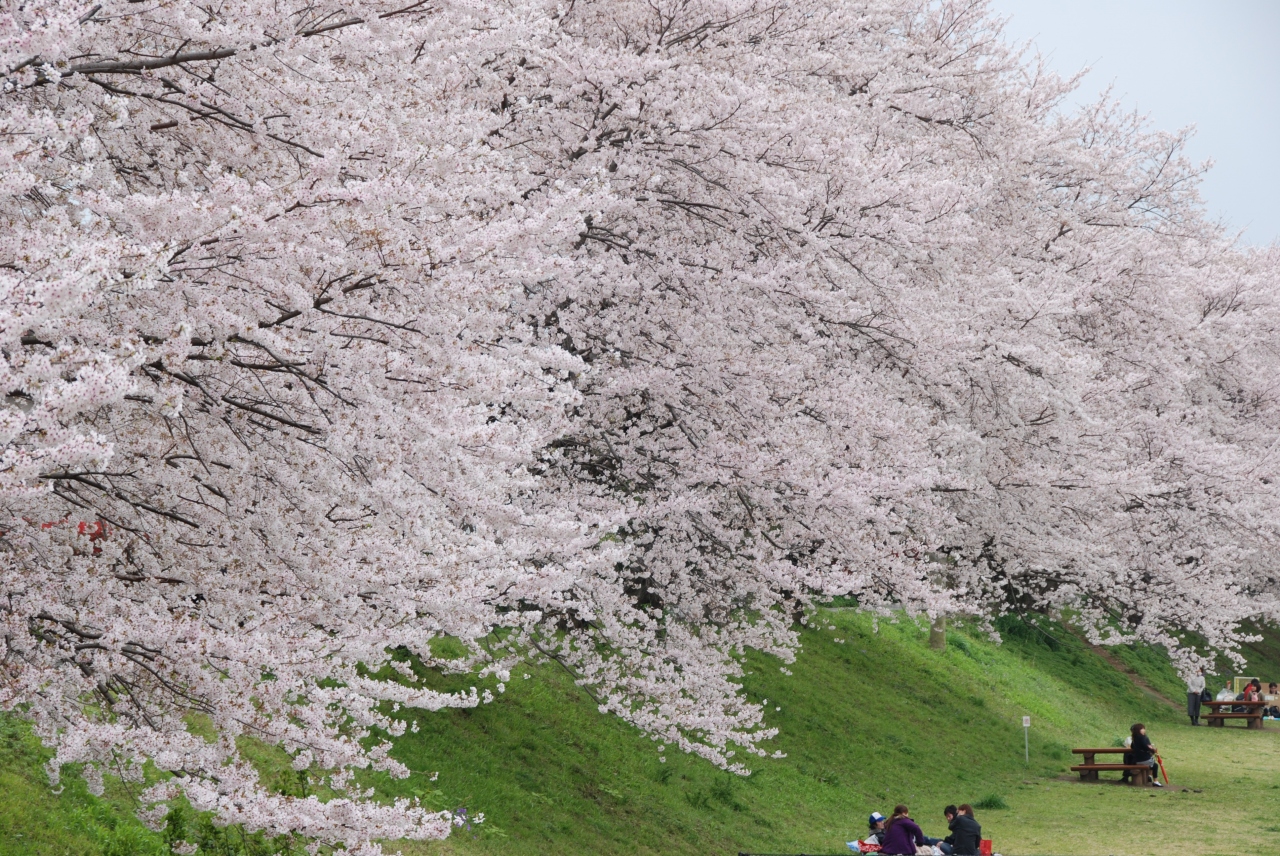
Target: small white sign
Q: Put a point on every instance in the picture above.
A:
(1026, 722)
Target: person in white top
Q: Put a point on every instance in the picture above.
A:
(1195, 688)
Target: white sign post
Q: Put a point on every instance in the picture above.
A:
(1026, 738)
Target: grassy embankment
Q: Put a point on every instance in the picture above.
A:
(867, 719)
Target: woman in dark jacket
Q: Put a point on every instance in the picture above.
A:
(1141, 751)
(901, 834)
(966, 833)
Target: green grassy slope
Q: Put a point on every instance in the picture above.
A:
(868, 718)
(34, 820)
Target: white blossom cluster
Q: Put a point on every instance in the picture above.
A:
(610, 332)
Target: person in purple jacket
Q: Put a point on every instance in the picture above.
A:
(901, 834)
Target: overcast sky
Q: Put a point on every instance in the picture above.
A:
(1214, 64)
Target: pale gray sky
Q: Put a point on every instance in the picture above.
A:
(1214, 64)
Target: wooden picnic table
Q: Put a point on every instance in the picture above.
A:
(1090, 753)
(1140, 773)
(1252, 714)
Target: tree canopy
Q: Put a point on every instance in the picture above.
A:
(610, 332)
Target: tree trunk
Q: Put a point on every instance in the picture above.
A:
(938, 634)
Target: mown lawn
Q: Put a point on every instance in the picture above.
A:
(1225, 801)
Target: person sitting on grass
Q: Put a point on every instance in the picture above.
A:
(876, 833)
(901, 834)
(1141, 751)
(966, 832)
(949, 814)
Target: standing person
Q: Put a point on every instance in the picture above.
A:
(966, 832)
(1195, 686)
(1141, 751)
(901, 834)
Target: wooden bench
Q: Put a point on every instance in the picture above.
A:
(1222, 712)
(1140, 773)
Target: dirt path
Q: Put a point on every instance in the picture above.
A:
(1134, 676)
(1120, 666)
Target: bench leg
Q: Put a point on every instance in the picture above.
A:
(1141, 777)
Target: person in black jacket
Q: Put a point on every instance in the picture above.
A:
(966, 833)
(1141, 751)
(949, 814)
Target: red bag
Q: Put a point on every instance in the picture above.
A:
(984, 847)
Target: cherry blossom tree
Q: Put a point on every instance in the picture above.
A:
(615, 333)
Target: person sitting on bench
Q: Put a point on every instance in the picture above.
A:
(1273, 709)
(1141, 751)
(1251, 693)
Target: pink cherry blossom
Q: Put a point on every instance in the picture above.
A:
(612, 333)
